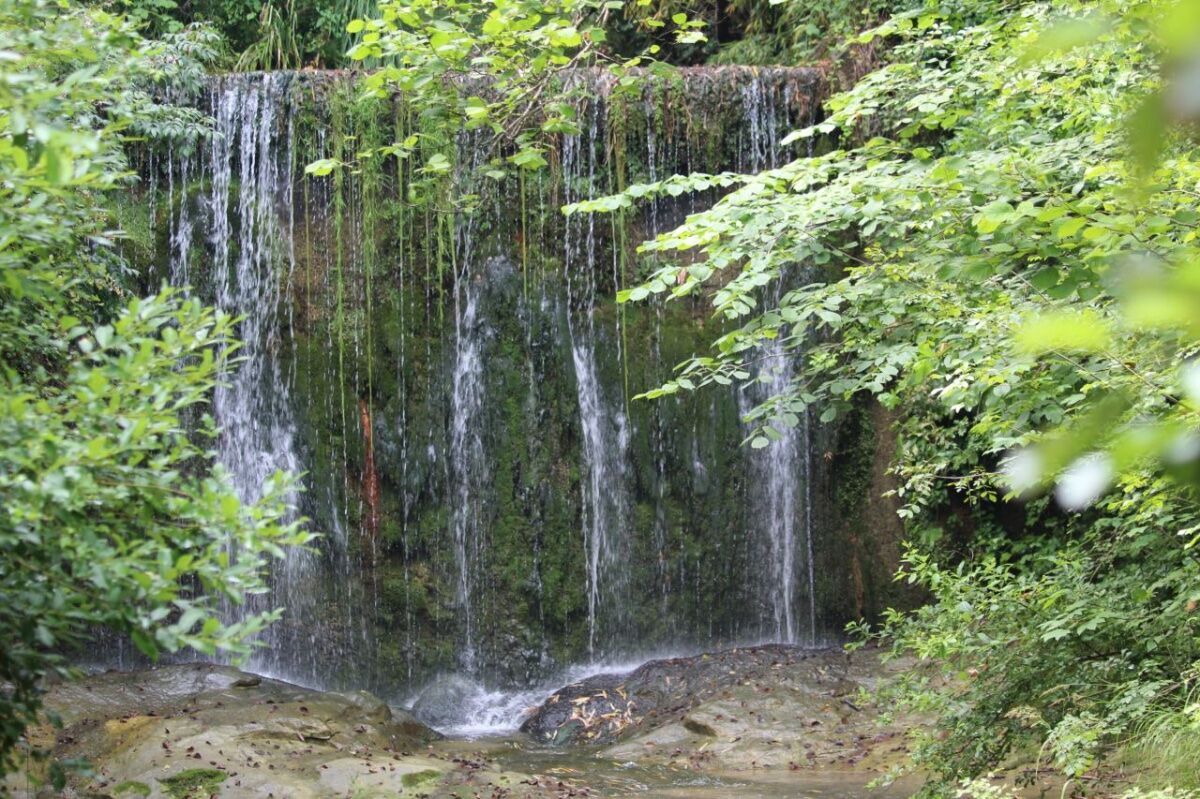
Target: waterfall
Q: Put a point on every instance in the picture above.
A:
(777, 475)
(760, 107)
(454, 382)
(605, 439)
(243, 261)
(253, 405)
(179, 170)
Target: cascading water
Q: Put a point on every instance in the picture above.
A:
(250, 264)
(782, 474)
(760, 106)
(604, 427)
(245, 263)
(468, 461)
(253, 404)
(776, 487)
(454, 385)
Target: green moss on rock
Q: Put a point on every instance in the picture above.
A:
(195, 783)
(419, 778)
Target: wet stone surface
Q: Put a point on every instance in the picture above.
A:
(767, 722)
(198, 730)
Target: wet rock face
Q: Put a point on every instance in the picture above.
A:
(611, 707)
(604, 707)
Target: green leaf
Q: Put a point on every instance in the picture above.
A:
(992, 216)
(438, 163)
(321, 167)
(1067, 228)
(1065, 330)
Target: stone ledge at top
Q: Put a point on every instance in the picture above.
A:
(807, 77)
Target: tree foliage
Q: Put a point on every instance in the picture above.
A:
(292, 34)
(257, 34)
(487, 88)
(110, 511)
(1000, 236)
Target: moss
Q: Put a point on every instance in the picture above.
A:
(855, 461)
(131, 788)
(195, 783)
(418, 778)
(131, 215)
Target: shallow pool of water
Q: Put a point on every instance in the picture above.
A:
(579, 768)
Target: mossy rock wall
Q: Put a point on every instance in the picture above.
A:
(373, 291)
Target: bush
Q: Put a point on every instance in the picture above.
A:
(111, 512)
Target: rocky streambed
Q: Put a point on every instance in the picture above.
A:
(770, 721)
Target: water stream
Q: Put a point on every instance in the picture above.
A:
(467, 457)
(247, 229)
(605, 434)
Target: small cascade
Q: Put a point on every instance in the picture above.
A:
(231, 239)
(658, 448)
(462, 707)
(179, 173)
(251, 157)
(778, 473)
(605, 441)
(603, 424)
(468, 459)
(780, 488)
(760, 103)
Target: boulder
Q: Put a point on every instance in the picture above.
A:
(441, 702)
(604, 707)
(773, 692)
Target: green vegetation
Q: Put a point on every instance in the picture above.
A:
(759, 32)
(418, 778)
(294, 34)
(998, 234)
(110, 513)
(1008, 231)
(257, 34)
(131, 788)
(291, 34)
(513, 90)
(194, 783)
(797, 31)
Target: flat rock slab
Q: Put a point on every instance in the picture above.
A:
(199, 730)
